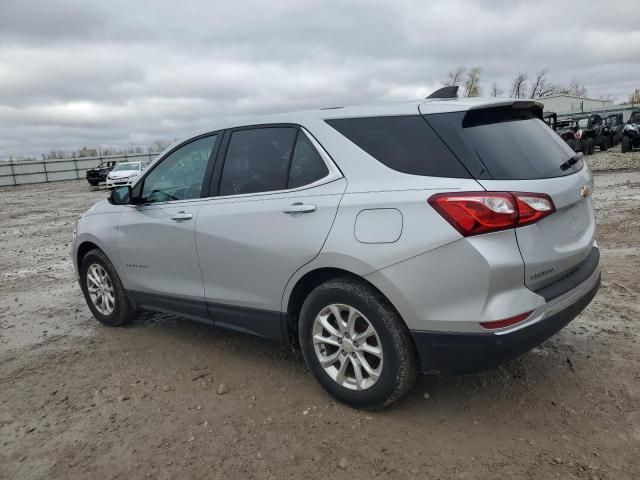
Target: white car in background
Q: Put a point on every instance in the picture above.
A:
(124, 174)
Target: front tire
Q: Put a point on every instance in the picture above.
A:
(626, 144)
(604, 144)
(589, 146)
(103, 290)
(356, 344)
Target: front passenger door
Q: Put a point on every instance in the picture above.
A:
(156, 239)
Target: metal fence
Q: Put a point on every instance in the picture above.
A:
(22, 172)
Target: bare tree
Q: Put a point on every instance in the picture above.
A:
(472, 83)
(455, 77)
(158, 145)
(541, 87)
(575, 88)
(519, 85)
(496, 91)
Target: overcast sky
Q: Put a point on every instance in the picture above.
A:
(110, 72)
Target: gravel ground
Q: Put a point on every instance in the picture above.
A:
(613, 159)
(168, 398)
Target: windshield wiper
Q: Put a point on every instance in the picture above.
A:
(571, 162)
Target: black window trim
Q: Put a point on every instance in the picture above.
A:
(139, 185)
(216, 178)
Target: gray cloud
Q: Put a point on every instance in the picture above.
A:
(97, 73)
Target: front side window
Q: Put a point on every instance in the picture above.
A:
(257, 160)
(180, 175)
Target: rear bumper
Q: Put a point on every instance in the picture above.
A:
(472, 352)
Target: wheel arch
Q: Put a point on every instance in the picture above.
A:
(84, 248)
(310, 280)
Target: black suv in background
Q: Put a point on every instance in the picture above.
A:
(98, 175)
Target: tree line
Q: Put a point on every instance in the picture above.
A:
(522, 85)
(156, 146)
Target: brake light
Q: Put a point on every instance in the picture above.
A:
(507, 322)
(578, 135)
(474, 213)
(532, 207)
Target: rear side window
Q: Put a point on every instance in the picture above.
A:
(406, 144)
(306, 165)
(257, 160)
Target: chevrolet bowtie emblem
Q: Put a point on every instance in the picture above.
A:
(585, 191)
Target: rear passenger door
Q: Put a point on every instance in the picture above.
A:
(276, 196)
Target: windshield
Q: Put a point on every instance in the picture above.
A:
(583, 122)
(127, 166)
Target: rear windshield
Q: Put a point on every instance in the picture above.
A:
(404, 143)
(504, 143)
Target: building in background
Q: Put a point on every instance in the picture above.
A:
(569, 105)
(565, 104)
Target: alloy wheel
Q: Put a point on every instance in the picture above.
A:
(348, 347)
(100, 288)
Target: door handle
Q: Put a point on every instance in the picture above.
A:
(182, 216)
(300, 208)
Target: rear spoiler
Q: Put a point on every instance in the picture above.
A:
(535, 107)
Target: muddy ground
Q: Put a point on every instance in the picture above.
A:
(79, 400)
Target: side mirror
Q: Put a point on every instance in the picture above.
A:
(121, 195)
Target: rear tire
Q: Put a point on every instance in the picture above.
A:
(590, 146)
(626, 144)
(385, 358)
(103, 290)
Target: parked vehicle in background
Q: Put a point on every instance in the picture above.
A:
(591, 133)
(631, 133)
(98, 175)
(124, 174)
(437, 235)
(551, 119)
(568, 130)
(615, 123)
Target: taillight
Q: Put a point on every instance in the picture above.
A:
(578, 135)
(507, 322)
(532, 207)
(473, 213)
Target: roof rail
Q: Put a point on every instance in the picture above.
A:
(445, 92)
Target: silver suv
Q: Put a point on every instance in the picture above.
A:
(426, 236)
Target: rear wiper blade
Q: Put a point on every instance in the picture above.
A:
(571, 162)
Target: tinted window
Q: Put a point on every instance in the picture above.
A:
(179, 176)
(306, 165)
(257, 160)
(404, 143)
(514, 144)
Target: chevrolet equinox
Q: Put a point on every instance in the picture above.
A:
(436, 235)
